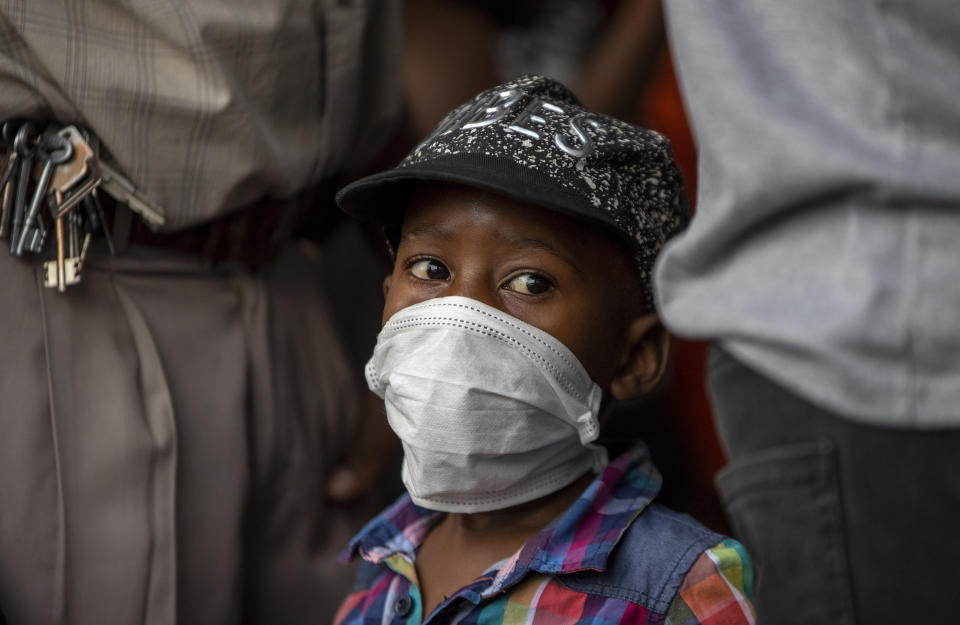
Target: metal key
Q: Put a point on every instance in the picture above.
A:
(61, 248)
(76, 233)
(65, 271)
(124, 191)
(73, 238)
(6, 194)
(96, 221)
(24, 146)
(61, 256)
(38, 235)
(8, 134)
(77, 178)
(80, 244)
(73, 261)
(91, 226)
(84, 248)
(54, 150)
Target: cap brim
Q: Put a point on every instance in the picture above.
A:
(381, 198)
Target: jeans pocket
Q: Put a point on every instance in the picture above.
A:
(784, 505)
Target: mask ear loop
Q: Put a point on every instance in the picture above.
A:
(588, 423)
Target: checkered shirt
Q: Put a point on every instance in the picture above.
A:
(535, 585)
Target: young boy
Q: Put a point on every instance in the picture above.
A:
(525, 229)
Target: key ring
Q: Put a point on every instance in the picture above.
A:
(26, 140)
(53, 148)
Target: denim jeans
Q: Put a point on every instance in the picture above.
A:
(845, 522)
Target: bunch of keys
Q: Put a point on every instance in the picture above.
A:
(67, 174)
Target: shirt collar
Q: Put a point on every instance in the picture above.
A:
(582, 538)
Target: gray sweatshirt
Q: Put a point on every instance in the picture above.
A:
(825, 252)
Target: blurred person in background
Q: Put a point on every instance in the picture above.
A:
(607, 50)
(823, 258)
(169, 426)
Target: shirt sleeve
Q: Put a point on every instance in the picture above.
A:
(718, 589)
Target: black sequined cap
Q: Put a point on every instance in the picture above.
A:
(531, 140)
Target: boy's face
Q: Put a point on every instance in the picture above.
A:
(562, 275)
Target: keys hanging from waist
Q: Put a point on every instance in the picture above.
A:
(60, 169)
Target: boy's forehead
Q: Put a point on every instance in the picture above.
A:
(443, 201)
(438, 209)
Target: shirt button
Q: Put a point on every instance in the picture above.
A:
(403, 605)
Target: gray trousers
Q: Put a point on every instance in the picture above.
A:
(845, 523)
(166, 430)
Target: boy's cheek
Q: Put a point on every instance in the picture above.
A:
(387, 281)
(398, 294)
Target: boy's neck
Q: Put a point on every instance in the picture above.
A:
(462, 546)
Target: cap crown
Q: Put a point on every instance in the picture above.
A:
(530, 139)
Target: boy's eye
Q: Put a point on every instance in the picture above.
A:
(529, 284)
(429, 269)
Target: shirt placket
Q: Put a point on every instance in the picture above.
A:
(403, 603)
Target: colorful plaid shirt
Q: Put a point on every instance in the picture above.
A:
(613, 557)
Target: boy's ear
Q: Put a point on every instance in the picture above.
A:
(644, 359)
(386, 284)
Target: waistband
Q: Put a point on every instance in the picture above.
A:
(252, 235)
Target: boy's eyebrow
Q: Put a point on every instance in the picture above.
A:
(432, 230)
(425, 230)
(546, 246)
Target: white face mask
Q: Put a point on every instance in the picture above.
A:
(491, 411)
